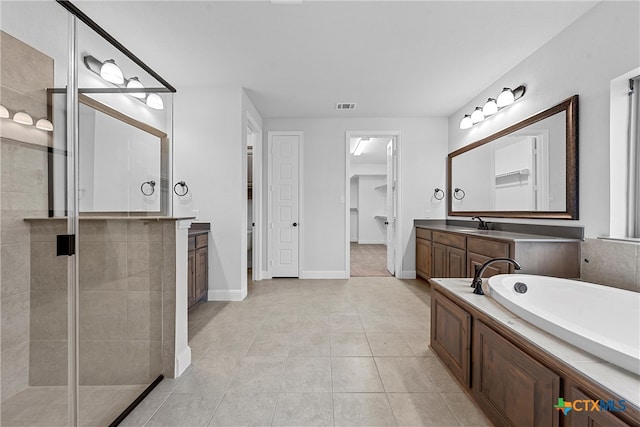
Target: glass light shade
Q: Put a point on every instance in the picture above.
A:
(134, 83)
(154, 101)
(44, 124)
(490, 107)
(111, 72)
(477, 116)
(466, 122)
(505, 98)
(4, 113)
(23, 118)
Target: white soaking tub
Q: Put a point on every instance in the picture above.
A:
(601, 320)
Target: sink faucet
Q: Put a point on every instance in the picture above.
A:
(477, 278)
(481, 225)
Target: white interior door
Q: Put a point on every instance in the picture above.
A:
(284, 205)
(390, 208)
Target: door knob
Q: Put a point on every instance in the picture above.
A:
(295, 224)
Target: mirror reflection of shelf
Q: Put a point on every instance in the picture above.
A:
(511, 178)
(382, 187)
(381, 217)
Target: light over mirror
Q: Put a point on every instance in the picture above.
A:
(528, 170)
(122, 163)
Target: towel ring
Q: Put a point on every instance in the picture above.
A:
(436, 192)
(456, 191)
(151, 184)
(184, 186)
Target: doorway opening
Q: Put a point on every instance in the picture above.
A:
(254, 200)
(372, 208)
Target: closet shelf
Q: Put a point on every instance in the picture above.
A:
(520, 172)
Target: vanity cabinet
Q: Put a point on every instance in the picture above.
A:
(513, 381)
(511, 386)
(451, 336)
(456, 254)
(198, 274)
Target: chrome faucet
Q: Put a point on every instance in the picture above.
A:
(481, 225)
(477, 278)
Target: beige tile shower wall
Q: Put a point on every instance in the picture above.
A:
(26, 74)
(611, 263)
(122, 271)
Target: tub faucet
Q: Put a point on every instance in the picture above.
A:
(476, 284)
(481, 225)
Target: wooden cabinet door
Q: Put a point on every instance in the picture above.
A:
(191, 277)
(451, 336)
(474, 260)
(512, 388)
(456, 262)
(583, 418)
(423, 258)
(439, 260)
(201, 279)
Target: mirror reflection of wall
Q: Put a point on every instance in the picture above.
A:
(120, 164)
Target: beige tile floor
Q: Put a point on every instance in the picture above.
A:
(313, 353)
(48, 406)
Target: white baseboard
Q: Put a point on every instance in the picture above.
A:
(371, 242)
(407, 274)
(264, 275)
(227, 295)
(182, 362)
(324, 275)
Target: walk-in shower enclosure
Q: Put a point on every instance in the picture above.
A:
(87, 239)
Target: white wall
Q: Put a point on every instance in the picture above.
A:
(210, 155)
(372, 202)
(422, 159)
(583, 59)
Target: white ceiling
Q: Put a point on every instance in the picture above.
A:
(374, 152)
(392, 58)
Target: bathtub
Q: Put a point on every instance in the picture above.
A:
(601, 320)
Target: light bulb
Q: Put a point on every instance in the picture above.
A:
(466, 122)
(154, 101)
(505, 98)
(44, 124)
(111, 72)
(490, 107)
(23, 118)
(477, 116)
(134, 83)
(4, 113)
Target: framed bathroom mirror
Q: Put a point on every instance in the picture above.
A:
(528, 170)
(123, 163)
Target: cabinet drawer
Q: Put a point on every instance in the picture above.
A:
(192, 242)
(449, 239)
(488, 248)
(421, 233)
(201, 240)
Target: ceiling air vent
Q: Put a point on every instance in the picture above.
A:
(345, 106)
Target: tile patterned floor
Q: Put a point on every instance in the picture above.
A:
(313, 353)
(368, 260)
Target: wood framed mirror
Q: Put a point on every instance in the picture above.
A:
(527, 170)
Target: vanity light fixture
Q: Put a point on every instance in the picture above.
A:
(4, 113)
(493, 105)
(111, 72)
(360, 146)
(134, 83)
(466, 122)
(490, 107)
(44, 124)
(23, 118)
(154, 101)
(477, 116)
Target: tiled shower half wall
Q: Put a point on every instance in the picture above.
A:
(119, 281)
